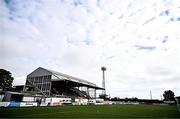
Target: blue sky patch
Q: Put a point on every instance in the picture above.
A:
(77, 2)
(178, 19)
(139, 47)
(11, 5)
(165, 39)
(175, 19)
(165, 13)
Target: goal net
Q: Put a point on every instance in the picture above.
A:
(178, 104)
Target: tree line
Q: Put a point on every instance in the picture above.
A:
(168, 96)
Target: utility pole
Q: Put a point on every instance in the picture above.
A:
(150, 95)
(161, 97)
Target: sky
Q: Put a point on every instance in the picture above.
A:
(136, 40)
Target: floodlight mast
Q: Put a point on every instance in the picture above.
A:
(103, 68)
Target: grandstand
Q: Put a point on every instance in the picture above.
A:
(49, 83)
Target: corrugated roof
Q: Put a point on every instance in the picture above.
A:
(73, 79)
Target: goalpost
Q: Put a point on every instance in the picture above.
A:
(178, 104)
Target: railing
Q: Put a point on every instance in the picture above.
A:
(81, 93)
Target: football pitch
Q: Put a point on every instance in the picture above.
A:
(93, 111)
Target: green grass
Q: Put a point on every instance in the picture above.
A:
(93, 111)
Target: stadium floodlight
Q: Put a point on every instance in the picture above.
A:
(103, 68)
(177, 103)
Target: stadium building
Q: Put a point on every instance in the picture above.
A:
(48, 83)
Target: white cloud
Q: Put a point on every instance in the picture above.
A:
(78, 37)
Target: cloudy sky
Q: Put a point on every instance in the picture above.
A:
(137, 40)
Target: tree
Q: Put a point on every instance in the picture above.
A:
(178, 97)
(168, 95)
(5, 80)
